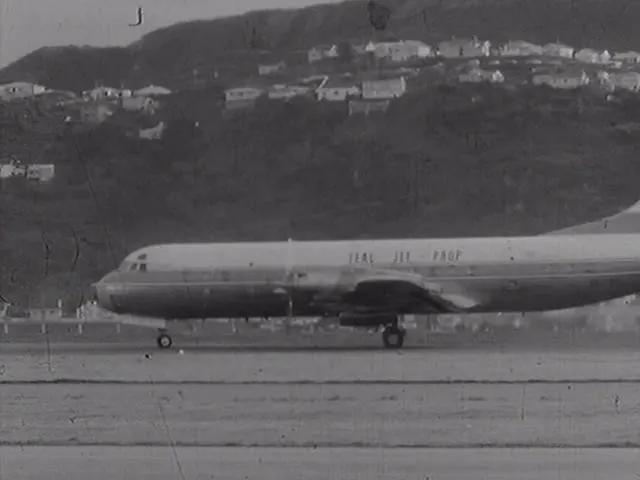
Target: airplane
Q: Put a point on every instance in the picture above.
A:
(372, 283)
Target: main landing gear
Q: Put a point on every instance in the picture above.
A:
(393, 336)
(164, 339)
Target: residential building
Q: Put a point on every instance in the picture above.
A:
(519, 48)
(384, 89)
(321, 52)
(624, 80)
(270, 69)
(41, 172)
(285, 92)
(463, 48)
(242, 93)
(564, 80)
(478, 75)
(16, 90)
(102, 93)
(241, 97)
(153, 133)
(627, 57)
(37, 172)
(139, 104)
(402, 51)
(589, 55)
(337, 91)
(558, 50)
(151, 91)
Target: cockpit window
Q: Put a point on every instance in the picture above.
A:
(143, 267)
(134, 267)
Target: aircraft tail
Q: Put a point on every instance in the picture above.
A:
(627, 221)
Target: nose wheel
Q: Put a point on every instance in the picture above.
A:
(164, 340)
(393, 336)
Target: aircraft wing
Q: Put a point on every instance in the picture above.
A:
(384, 290)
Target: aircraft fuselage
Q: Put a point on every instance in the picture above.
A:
(504, 274)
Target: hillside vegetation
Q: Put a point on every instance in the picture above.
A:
(233, 45)
(443, 161)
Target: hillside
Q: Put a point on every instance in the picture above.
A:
(232, 45)
(436, 164)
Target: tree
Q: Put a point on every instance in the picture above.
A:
(345, 52)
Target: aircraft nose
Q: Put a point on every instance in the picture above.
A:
(103, 291)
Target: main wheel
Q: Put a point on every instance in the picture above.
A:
(393, 337)
(164, 341)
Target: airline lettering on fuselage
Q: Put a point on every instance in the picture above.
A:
(446, 255)
(360, 257)
(401, 257)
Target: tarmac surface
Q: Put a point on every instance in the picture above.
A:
(165, 463)
(76, 407)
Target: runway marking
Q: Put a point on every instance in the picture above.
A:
(535, 381)
(328, 445)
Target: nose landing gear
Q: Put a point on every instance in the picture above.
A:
(164, 340)
(393, 336)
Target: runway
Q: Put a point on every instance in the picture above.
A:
(160, 463)
(123, 409)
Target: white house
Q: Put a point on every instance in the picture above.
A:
(558, 50)
(627, 57)
(478, 75)
(334, 92)
(565, 80)
(285, 92)
(272, 68)
(15, 90)
(519, 48)
(384, 89)
(100, 93)
(152, 90)
(588, 55)
(153, 133)
(402, 51)
(463, 48)
(41, 172)
(242, 93)
(321, 52)
(624, 80)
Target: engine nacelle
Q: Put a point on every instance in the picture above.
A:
(367, 320)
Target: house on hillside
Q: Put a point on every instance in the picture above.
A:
(337, 90)
(519, 48)
(463, 48)
(384, 89)
(558, 50)
(41, 172)
(17, 90)
(241, 97)
(35, 172)
(623, 81)
(151, 91)
(139, 104)
(321, 52)
(589, 55)
(627, 57)
(563, 80)
(272, 68)
(401, 51)
(102, 93)
(153, 133)
(286, 92)
(477, 75)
